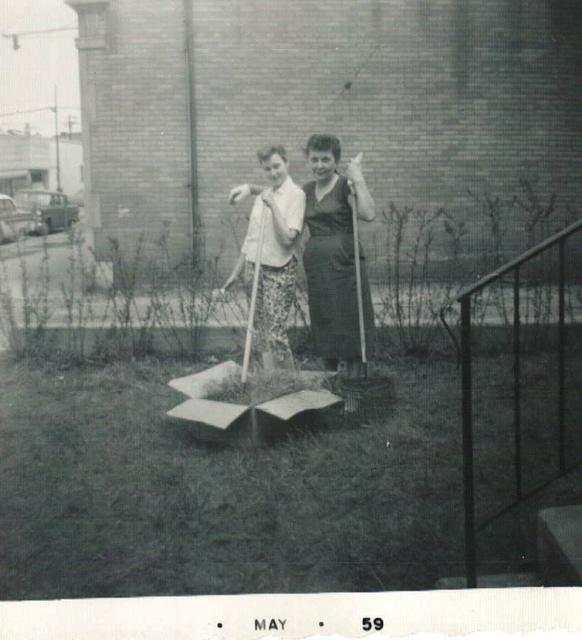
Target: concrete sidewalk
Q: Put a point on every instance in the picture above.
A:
(100, 311)
(222, 326)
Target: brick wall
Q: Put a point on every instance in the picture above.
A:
(446, 96)
(139, 125)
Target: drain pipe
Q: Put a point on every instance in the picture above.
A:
(190, 88)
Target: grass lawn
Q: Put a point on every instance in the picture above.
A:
(102, 496)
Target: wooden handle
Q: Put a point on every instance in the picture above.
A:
(359, 278)
(250, 324)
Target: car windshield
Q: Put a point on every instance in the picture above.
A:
(28, 200)
(7, 205)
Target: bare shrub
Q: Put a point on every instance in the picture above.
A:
(410, 295)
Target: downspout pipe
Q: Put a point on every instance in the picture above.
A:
(197, 239)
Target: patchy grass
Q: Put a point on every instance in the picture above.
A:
(101, 496)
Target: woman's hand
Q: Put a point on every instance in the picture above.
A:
(359, 189)
(268, 199)
(237, 270)
(218, 295)
(354, 170)
(284, 234)
(240, 193)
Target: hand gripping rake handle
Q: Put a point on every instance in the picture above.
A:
(251, 321)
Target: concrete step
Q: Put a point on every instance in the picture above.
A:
(491, 581)
(560, 546)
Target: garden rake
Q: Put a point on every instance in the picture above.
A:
(254, 292)
(369, 397)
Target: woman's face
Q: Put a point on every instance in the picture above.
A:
(322, 163)
(277, 170)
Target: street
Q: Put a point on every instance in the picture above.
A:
(32, 254)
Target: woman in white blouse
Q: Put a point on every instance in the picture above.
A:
(283, 204)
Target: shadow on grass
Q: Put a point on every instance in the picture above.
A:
(102, 496)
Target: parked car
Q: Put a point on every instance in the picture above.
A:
(14, 223)
(52, 209)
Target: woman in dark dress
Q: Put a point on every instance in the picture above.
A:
(329, 255)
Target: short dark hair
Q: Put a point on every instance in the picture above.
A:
(324, 142)
(264, 153)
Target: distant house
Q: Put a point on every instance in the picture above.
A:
(24, 161)
(442, 97)
(30, 161)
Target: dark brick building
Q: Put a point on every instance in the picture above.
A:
(442, 96)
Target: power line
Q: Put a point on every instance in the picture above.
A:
(25, 111)
(16, 35)
(17, 113)
(31, 33)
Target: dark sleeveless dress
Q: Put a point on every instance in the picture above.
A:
(331, 275)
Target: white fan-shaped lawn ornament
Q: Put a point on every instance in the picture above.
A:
(230, 422)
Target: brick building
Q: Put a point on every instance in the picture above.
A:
(442, 96)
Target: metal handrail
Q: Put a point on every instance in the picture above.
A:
(516, 262)
(465, 359)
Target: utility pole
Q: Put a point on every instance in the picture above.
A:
(56, 112)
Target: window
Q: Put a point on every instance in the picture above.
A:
(28, 199)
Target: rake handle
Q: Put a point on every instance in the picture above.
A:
(251, 320)
(358, 278)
